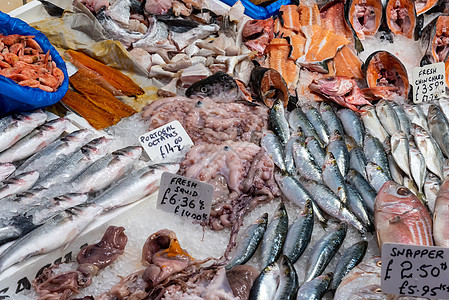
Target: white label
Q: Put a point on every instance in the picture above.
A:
(185, 197)
(420, 271)
(429, 82)
(168, 141)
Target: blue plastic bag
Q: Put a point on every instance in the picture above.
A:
(13, 97)
(258, 12)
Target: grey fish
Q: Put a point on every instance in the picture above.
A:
(6, 169)
(133, 187)
(330, 118)
(372, 123)
(376, 176)
(299, 233)
(375, 153)
(331, 204)
(55, 233)
(183, 39)
(297, 118)
(273, 148)
(315, 149)
(250, 240)
(387, 117)
(304, 162)
(324, 250)
(274, 237)
(364, 188)
(395, 171)
(357, 160)
(350, 258)
(217, 85)
(400, 151)
(444, 105)
(403, 119)
(35, 141)
(358, 207)
(417, 165)
(429, 148)
(439, 128)
(18, 184)
(337, 147)
(16, 126)
(352, 125)
(333, 179)
(293, 190)
(55, 151)
(288, 151)
(106, 170)
(278, 123)
(316, 288)
(416, 116)
(266, 284)
(288, 285)
(314, 117)
(431, 188)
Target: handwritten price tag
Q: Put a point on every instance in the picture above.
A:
(185, 197)
(429, 82)
(168, 141)
(420, 271)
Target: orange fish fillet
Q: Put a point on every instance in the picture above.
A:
(281, 31)
(309, 14)
(347, 63)
(290, 16)
(298, 43)
(279, 50)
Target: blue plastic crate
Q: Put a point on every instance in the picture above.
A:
(258, 12)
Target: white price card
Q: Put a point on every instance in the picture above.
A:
(429, 82)
(168, 141)
(420, 271)
(185, 197)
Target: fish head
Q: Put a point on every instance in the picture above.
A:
(335, 136)
(79, 135)
(392, 194)
(219, 84)
(133, 152)
(332, 86)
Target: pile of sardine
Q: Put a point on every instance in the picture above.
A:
(55, 184)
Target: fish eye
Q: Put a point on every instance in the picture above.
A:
(403, 191)
(204, 89)
(378, 291)
(330, 78)
(379, 264)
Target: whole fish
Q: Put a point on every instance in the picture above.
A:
(416, 116)
(395, 171)
(56, 232)
(372, 123)
(403, 119)
(55, 151)
(444, 105)
(314, 117)
(400, 217)
(296, 136)
(441, 216)
(374, 152)
(293, 190)
(330, 118)
(273, 148)
(400, 151)
(274, 237)
(337, 147)
(431, 188)
(365, 190)
(316, 288)
(266, 284)
(133, 187)
(304, 162)
(297, 118)
(278, 123)
(411, 185)
(16, 126)
(217, 85)
(6, 169)
(429, 148)
(18, 184)
(288, 285)
(331, 204)
(352, 125)
(388, 117)
(333, 179)
(358, 207)
(350, 258)
(299, 234)
(324, 250)
(417, 165)
(439, 128)
(20, 203)
(106, 170)
(35, 141)
(357, 160)
(315, 149)
(376, 176)
(250, 240)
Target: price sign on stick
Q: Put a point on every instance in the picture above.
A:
(429, 82)
(420, 271)
(185, 197)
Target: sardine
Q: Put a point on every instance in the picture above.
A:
(357, 160)
(400, 151)
(431, 188)
(315, 149)
(273, 148)
(429, 148)
(35, 141)
(314, 117)
(16, 126)
(417, 165)
(358, 207)
(18, 184)
(376, 176)
(439, 128)
(299, 234)
(330, 118)
(288, 285)
(304, 162)
(364, 188)
(396, 173)
(403, 119)
(333, 179)
(56, 232)
(274, 237)
(324, 250)
(388, 117)
(278, 123)
(316, 288)
(6, 169)
(266, 284)
(441, 216)
(350, 258)
(372, 123)
(352, 125)
(375, 153)
(250, 240)
(297, 118)
(296, 136)
(337, 147)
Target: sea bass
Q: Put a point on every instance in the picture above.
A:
(18, 184)
(6, 169)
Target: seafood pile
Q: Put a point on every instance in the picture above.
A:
(24, 61)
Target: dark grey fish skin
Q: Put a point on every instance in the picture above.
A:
(316, 288)
(51, 9)
(333, 179)
(364, 188)
(357, 160)
(403, 119)
(337, 147)
(324, 250)
(299, 234)
(266, 284)
(375, 153)
(314, 117)
(273, 148)
(274, 237)
(330, 118)
(352, 125)
(376, 176)
(217, 85)
(439, 128)
(249, 242)
(278, 123)
(304, 162)
(297, 118)
(297, 136)
(358, 207)
(315, 149)
(289, 284)
(348, 260)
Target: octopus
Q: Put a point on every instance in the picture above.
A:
(208, 121)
